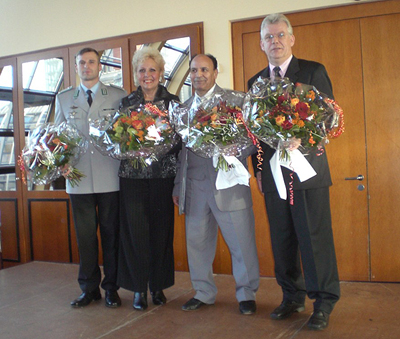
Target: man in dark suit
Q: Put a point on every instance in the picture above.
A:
(305, 225)
(207, 207)
(95, 199)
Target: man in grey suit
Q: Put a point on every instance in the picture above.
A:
(95, 199)
(304, 227)
(206, 208)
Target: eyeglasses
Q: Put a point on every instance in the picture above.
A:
(271, 37)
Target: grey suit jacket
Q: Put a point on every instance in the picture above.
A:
(192, 166)
(71, 106)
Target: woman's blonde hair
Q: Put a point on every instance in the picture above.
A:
(144, 53)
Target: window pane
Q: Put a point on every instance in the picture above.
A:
(42, 75)
(6, 79)
(111, 72)
(7, 182)
(171, 58)
(7, 158)
(42, 80)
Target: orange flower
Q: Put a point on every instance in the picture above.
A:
(149, 121)
(140, 135)
(214, 117)
(311, 95)
(300, 123)
(311, 140)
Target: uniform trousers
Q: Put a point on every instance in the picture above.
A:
(237, 227)
(91, 211)
(304, 226)
(146, 257)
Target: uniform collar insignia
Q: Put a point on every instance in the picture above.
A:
(76, 94)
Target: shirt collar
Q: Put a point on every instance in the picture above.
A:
(284, 66)
(93, 89)
(206, 96)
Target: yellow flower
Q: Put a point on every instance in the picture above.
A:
(280, 119)
(294, 101)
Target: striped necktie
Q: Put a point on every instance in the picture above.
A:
(276, 72)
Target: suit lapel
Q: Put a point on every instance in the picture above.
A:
(265, 73)
(293, 69)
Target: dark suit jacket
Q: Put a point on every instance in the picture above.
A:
(311, 73)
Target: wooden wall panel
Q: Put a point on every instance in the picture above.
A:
(9, 230)
(49, 225)
(180, 256)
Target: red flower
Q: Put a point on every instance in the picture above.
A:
(223, 120)
(282, 98)
(287, 125)
(204, 118)
(302, 108)
(137, 124)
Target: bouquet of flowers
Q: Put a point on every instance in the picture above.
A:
(214, 127)
(52, 151)
(142, 133)
(277, 111)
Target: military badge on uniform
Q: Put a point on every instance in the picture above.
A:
(73, 113)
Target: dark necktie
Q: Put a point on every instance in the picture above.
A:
(276, 72)
(89, 99)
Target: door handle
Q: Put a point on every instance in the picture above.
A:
(359, 177)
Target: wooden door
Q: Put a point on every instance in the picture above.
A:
(381, 55)
(12, 235)
(358, 45)
(346, 155)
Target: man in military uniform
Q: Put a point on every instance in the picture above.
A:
(95, 199)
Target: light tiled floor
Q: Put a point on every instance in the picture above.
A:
(34, 303)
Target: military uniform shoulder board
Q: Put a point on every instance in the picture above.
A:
(66, 90)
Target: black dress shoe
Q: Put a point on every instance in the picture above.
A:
(247, 307)
(318, 321)
(140, 301)
(286, 309)
(192, 305)
(158, 298)
(86, 298)
(112, 299)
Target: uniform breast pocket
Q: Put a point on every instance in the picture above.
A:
(75, 116)
(107, 112)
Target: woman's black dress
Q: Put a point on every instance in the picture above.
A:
(146, 256)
